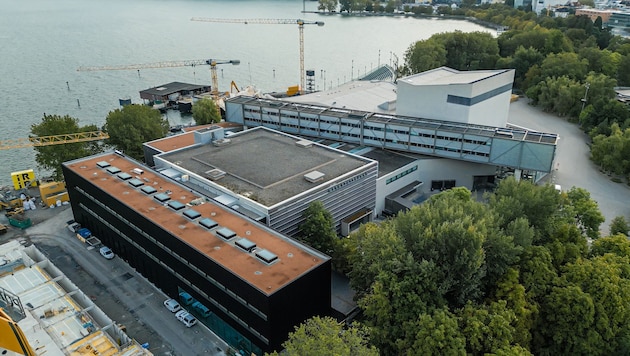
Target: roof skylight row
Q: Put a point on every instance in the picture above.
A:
(223, 232)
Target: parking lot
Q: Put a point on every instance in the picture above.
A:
(116, 288)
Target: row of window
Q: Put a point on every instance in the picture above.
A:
(372, 128)
(401, 174)
(415, 144)
(171, 252)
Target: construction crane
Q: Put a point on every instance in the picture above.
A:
(171, 64)
(39, 141)
(298, 22)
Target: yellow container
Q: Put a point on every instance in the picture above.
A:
(23, 179)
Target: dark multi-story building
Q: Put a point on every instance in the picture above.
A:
(247, 283)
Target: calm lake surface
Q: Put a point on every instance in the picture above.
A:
(43, 42)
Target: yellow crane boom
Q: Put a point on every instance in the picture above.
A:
(298, 22)
(39, 141)
(13, 338)
(171, 64)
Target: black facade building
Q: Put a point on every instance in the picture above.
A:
(247, 283)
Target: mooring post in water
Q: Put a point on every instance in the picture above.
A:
(78, 103)
(68, 85)
(138, 73)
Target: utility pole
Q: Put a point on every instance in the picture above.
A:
(587, 85)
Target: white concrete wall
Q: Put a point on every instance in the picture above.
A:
(383, 189)
(430, 101)
(449, 169)
(431, 169)
(492, 112)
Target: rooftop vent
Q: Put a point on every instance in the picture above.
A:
(124, 176)
(266, 256)
(226, 233)
(221, 142)
(314, 176)
(245, 244)
(208, 223)
(304, 143)
(148, 189)
(215, 174)
(103, 164)
(175, 205)
(192, 214)
(137, 171)
(113, 170)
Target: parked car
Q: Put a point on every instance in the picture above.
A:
(186, 318)
(172, 305)
(107, 252)
(73, 226)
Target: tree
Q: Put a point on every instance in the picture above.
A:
(345, 5)
(597, 118)
(436, 333)
(522, 60)
(325, 336)
(424, 55)
(318, 228)
(617, 244)
(131, 126)
(612, 152)
(619, 225)
(623, 71)
(51, 157)
(469, 51)
(587, 214)
(205, 111)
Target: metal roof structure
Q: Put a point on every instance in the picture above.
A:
(56, 317)
(170, 88)
(509, 147)
(450, 76)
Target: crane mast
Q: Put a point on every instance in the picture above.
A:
(299, 22)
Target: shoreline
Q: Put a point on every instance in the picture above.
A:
(475, 20)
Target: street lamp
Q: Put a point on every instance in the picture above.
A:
(587, 85)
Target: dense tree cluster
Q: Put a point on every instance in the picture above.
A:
(567, 66)
(511, 276)
(525, 272)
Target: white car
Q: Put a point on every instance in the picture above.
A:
(172, 305)
(186, 318)
(106, 252)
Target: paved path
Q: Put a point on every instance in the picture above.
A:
(573, 167)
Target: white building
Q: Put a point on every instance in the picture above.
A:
(474, 97)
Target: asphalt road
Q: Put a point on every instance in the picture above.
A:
(573, 167)
(122, 293)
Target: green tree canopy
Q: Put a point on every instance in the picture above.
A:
(318, 228)
(205, 111)
(325, 336)
(131, 126)
(619, 225)
(424, 55)
(51, 157)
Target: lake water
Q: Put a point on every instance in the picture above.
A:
(43, 42)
